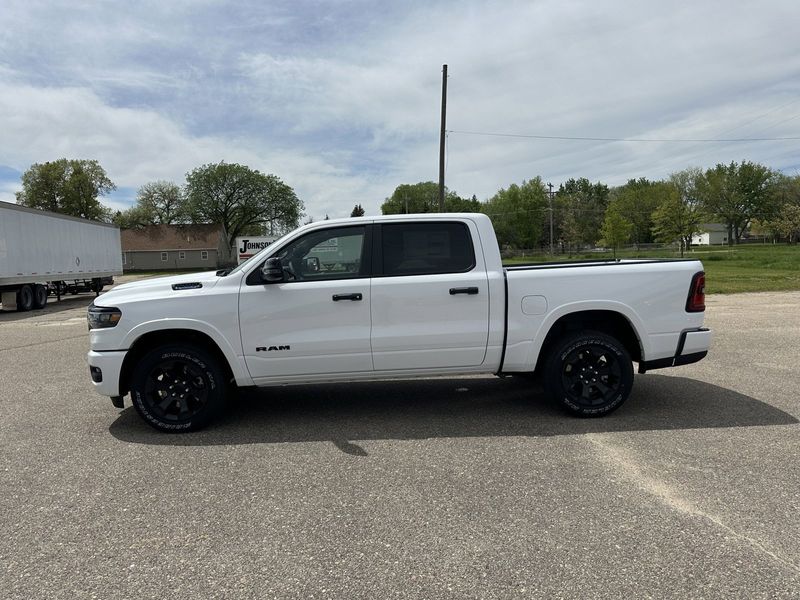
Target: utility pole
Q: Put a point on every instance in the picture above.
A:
(550, 185)
(441, 138)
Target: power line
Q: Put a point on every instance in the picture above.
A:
(781, 122)
(604, 139)
(761, 116)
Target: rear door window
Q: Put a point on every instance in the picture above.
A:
(426, 248)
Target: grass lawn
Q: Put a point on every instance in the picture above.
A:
(746, 268)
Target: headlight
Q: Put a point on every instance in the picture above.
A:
(100, 317)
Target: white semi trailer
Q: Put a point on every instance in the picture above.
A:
(43, 252)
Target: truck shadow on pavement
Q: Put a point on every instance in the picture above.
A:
(445, 408)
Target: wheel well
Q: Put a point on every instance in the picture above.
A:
(151, 340)
(606, 321)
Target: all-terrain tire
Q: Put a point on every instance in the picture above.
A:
(590, 374)
(178, 388)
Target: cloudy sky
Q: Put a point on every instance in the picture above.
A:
(341, 99)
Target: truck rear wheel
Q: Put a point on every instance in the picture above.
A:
(25, 298)
(589, 373)
(178, 388)
(39, 296)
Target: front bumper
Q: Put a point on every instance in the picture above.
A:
(105, 369)
(693, 346)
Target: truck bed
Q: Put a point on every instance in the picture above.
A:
(589, 263)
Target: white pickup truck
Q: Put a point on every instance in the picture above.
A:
(392, 297)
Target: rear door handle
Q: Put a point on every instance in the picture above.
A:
(465, 290)
(337, 297)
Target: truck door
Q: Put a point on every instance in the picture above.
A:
(318, 320)
(430, 296)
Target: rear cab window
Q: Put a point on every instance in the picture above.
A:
(425, 249)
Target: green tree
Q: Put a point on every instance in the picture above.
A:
(692, 214)
(787, 222)
(357, 211)
(133, 218)
(163, 200)
(616, 229)
(586, 204)
(518, 213)
(737, 194)
(679, 216)
(569, 231)
(72, 187)
(423, 197)
(636, 201)
(784, 221)
(156, 202)
(242, 200)
(455, 203)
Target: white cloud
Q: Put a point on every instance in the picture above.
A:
(346, 118)
(7, 192)
(671, 70)
(139, 145)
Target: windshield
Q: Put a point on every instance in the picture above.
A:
(260, 255)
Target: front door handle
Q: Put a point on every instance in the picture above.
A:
(465, 290)
(337, 297)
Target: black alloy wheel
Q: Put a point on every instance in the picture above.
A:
(178, 388)
(590, 374)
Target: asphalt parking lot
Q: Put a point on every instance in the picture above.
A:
(446, 488)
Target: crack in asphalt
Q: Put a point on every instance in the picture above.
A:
(620, 460)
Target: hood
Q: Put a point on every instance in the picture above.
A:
(158, 287)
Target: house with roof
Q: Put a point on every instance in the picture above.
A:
(710, 234)
(179, 247)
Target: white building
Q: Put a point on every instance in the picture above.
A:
(711, 234)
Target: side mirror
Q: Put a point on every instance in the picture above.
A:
(272, 271)
(312, 264)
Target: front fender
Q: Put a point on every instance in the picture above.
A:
(234, 358)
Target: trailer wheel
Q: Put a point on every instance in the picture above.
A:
(39, 296)
(25, 298)
(178, 388)
(589, 373)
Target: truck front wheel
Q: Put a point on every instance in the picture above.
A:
(589, 373)
(178, 388)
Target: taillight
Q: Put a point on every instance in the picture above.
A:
(696, 302)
